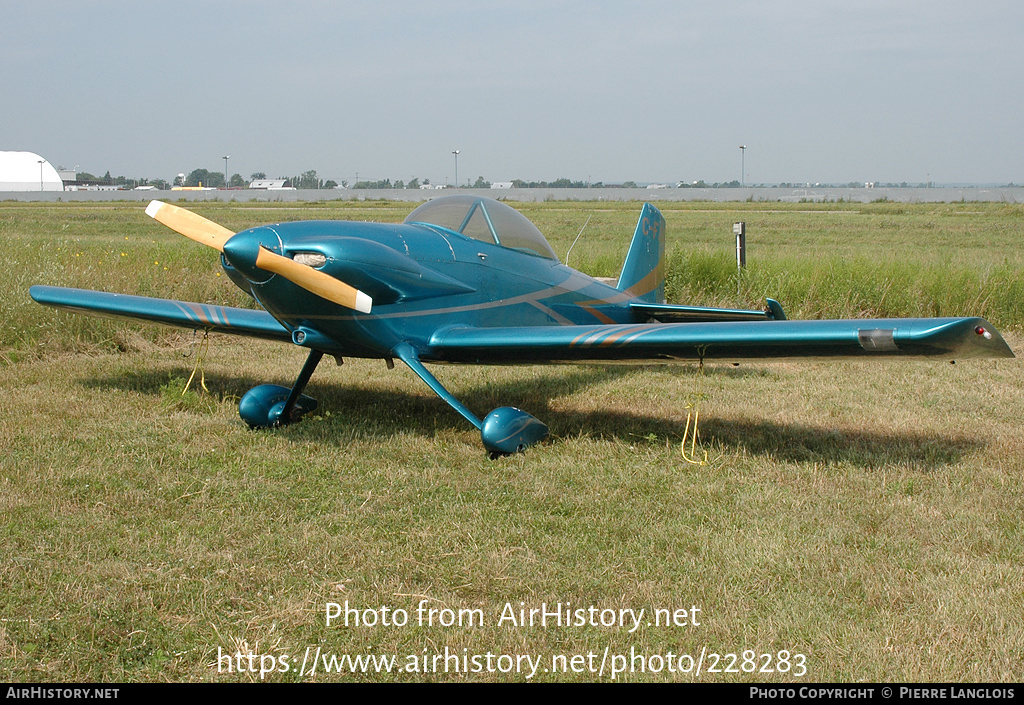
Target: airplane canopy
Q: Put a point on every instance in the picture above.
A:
(486, 220)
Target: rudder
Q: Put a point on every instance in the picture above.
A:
(643, 273)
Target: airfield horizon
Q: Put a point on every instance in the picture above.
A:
(798, 194)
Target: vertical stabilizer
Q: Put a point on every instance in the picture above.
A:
(643, 274)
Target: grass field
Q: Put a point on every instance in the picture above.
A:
(853, 521)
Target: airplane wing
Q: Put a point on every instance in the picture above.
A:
(184, 314)
(732, 341)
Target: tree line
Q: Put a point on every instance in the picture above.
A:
(311, 180)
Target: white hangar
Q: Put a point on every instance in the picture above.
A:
(27, 171)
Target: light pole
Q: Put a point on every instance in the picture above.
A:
(456, 153)
(743, 165)
(226, 157)
(41, 162)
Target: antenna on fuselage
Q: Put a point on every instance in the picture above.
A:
(577, 239)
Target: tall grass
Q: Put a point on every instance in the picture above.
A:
(857, 288)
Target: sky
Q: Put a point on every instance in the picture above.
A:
(649, 91)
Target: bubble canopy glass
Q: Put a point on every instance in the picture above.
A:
(486, 220)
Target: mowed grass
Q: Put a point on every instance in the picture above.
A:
(865, 516)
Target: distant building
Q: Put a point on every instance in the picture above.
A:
(92, 187)
(27, 171)
(270, 185)
(501, 184)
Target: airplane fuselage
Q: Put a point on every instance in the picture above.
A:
(422, 279)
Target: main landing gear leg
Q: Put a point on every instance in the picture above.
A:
(504, 431)
(273, 405)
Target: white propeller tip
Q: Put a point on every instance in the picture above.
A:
(153, 208)
(363, 302)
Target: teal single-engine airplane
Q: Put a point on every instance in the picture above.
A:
(470, 280)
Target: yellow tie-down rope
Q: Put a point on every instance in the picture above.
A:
(693, 414)
(204, 347)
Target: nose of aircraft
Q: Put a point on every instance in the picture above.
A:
(243, 250)
(248, 253)
(252, 253)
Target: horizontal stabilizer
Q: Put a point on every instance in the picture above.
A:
(183, 314)
(670, 313)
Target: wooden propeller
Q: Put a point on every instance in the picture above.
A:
(204, 231)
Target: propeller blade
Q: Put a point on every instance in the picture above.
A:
(314, 281)
(205, 231)
(195, 227)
